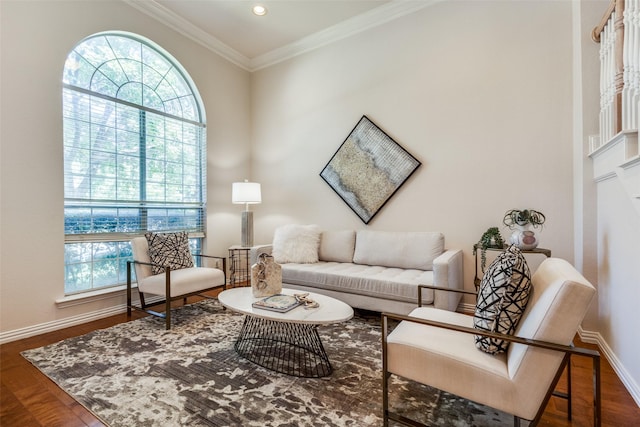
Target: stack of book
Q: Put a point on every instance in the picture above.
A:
(279, 302)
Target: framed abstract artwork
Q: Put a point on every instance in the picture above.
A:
(368, 168)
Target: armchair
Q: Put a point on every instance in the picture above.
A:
(172, 284)
(436, 347)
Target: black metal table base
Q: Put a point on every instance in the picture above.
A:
(289, 348)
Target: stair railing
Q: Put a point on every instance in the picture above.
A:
(619, 36)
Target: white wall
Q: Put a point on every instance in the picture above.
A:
(619, 279)
(586, 122)
(477, 91)
(36, 37)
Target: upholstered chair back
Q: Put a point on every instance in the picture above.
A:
(557, 305)
(140, 251)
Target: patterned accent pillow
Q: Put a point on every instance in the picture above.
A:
(169, 250)
(503, 297)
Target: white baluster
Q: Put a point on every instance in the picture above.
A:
(635, 62)
(626, 72)
(604, 82)
(609, 43)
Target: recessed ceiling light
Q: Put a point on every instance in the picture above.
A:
(259, 10)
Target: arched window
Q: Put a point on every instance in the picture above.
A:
(134, 154)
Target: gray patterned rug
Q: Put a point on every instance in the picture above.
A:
(138, 374)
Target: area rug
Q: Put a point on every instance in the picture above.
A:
(138, 374)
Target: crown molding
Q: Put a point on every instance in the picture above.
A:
(372, 18)
(186, 28)
(378, 16)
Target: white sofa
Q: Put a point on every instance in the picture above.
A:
(372, 270)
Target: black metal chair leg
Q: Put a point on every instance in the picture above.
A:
(129, 288)
(569, 387)
(167, 298)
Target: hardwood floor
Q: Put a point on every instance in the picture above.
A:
(28, 398)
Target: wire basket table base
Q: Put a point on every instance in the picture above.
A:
(289, 348)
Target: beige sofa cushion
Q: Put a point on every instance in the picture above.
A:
(375, 281)
(337, 246)
(398, 249)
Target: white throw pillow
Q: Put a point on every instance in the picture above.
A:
(296, 243)
(337, 246)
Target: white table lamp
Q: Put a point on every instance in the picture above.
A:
(247, 193)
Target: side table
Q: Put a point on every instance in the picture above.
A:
(241, 258)
(476, 249)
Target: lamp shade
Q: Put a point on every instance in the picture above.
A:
(246, 193)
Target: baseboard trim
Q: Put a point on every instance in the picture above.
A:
(43, 328)
(593, 337)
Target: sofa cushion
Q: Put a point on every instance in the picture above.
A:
(169, 250)
(398, 249)
(337, 246)
(375, 281)
(504, 293)
(296, 243)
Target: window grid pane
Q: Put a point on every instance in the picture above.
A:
(127, 169)
(93, 265)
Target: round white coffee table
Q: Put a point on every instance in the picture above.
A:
(288, 342)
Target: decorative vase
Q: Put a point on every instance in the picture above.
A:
(524, 238)
(266, 277)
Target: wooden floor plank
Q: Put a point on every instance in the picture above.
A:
(12, 411)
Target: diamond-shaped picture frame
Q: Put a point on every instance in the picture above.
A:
(368, 169)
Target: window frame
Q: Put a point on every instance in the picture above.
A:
(186, 90)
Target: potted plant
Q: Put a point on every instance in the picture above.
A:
(516, 217)
(490, 239)
(521, 220)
